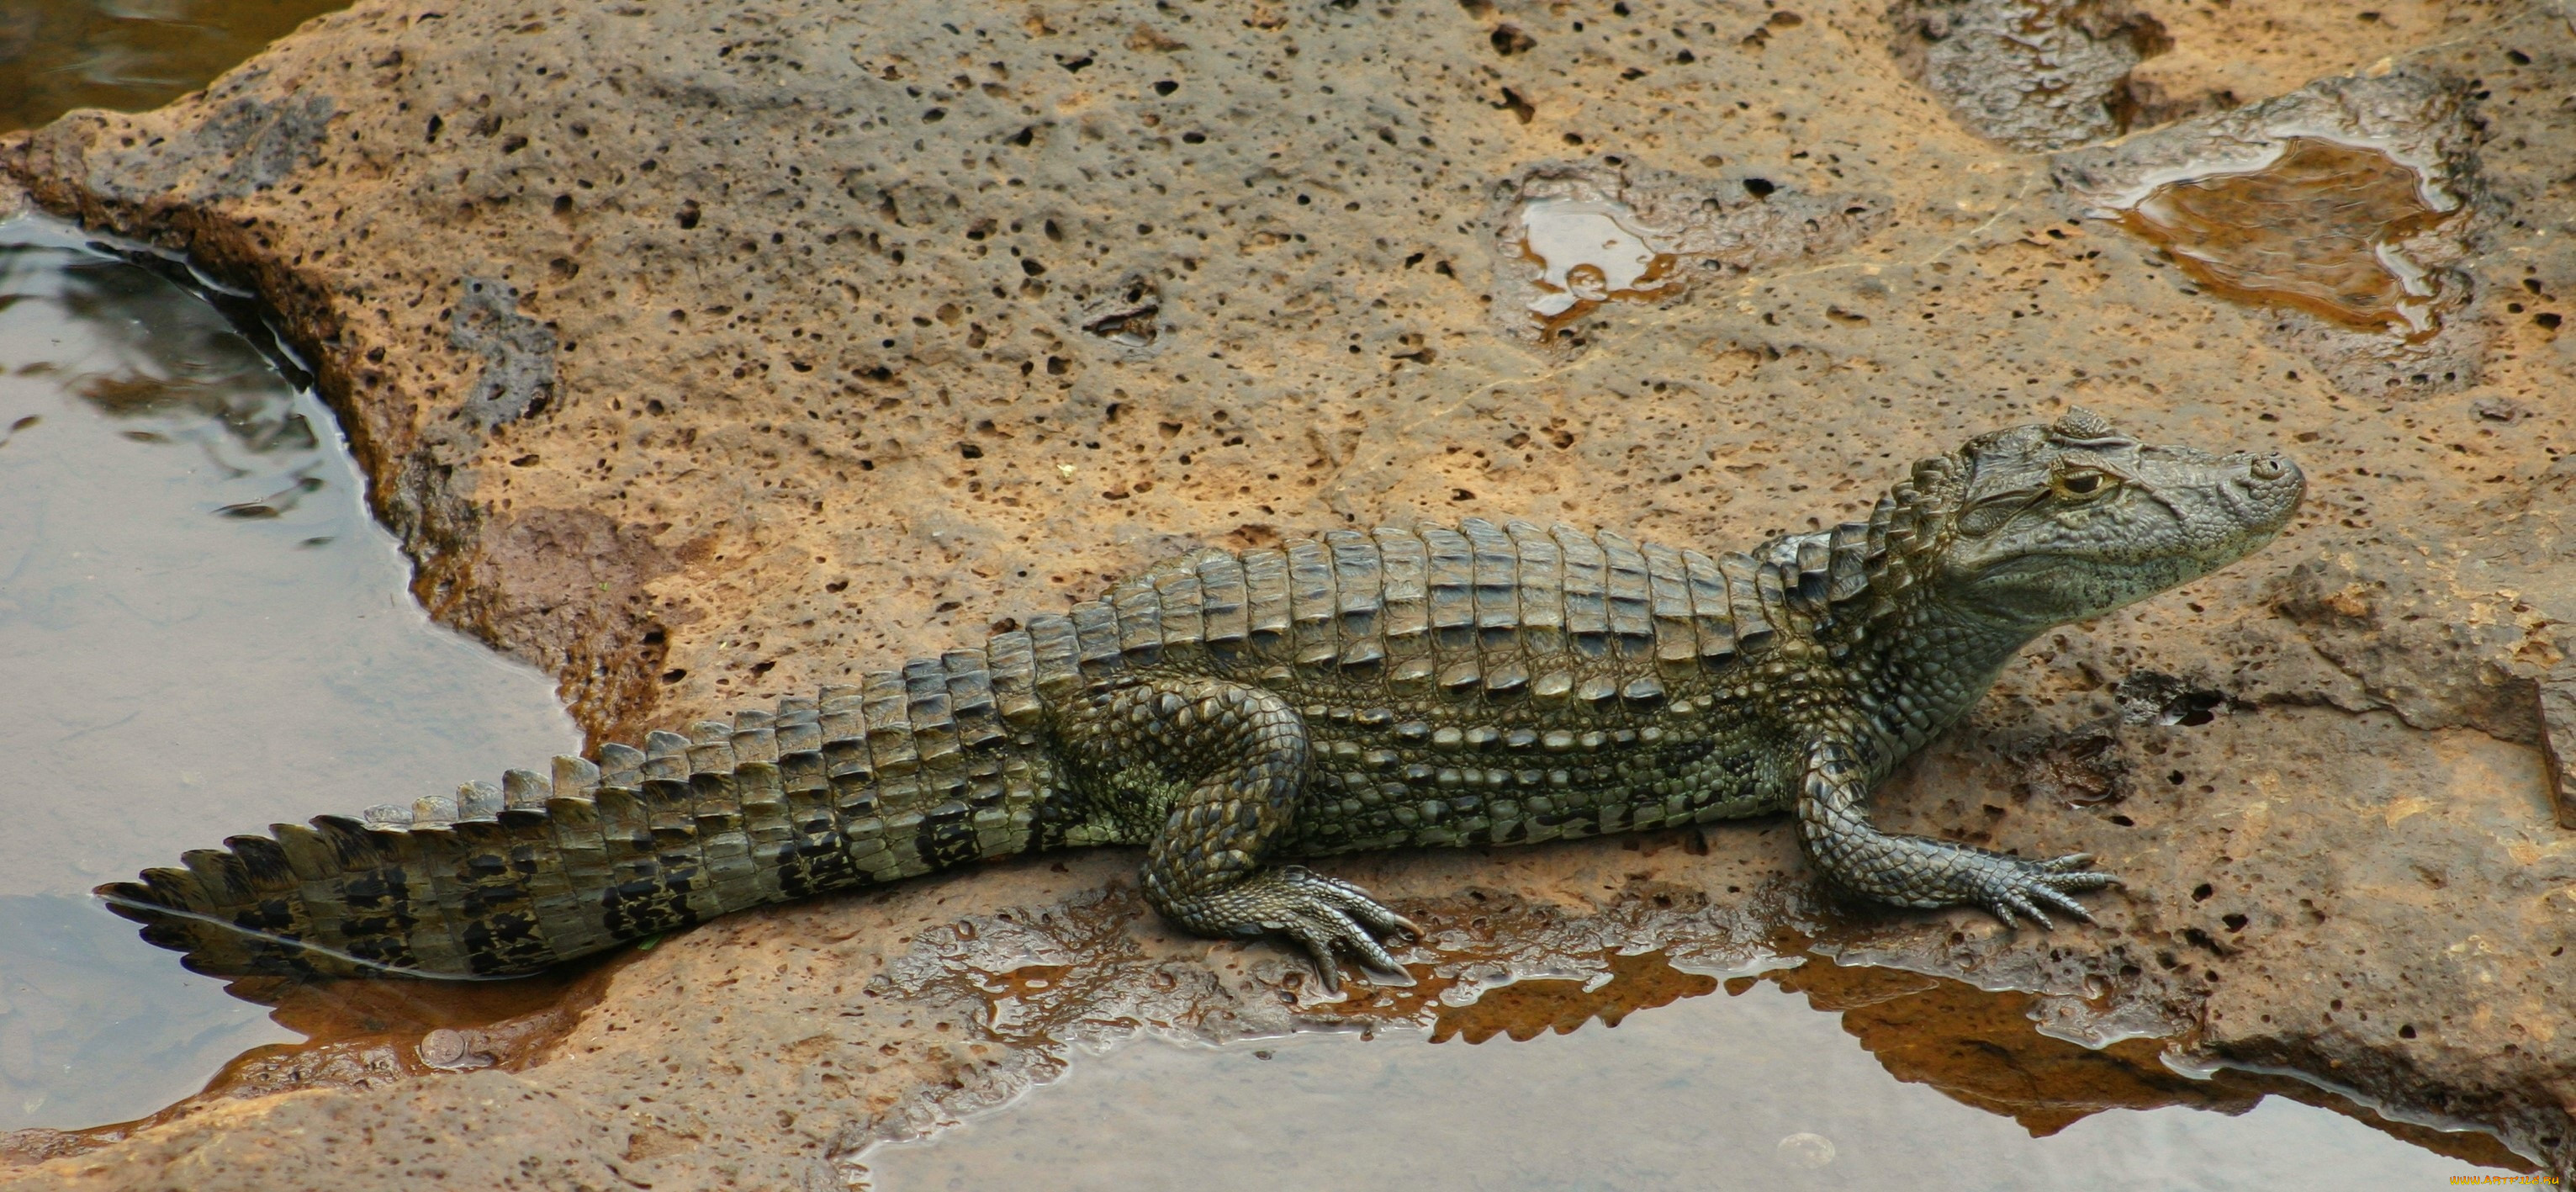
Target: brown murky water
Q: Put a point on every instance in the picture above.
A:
(203, 631)
(130, 55)
(2321, 229)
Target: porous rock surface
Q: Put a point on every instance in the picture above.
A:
(703, 352)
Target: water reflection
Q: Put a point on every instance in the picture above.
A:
(1587, 255)
(203, 632)
(129, 55)
(1864, 1072)
(93, 1027)
(1522, 1009)
(2320, 228)
(1757, 1090)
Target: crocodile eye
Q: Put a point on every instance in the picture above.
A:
(2082, 484)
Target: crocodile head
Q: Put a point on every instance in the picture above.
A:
(2058, 523)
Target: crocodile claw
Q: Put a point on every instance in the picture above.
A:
(2010, 887)
(1327, 916)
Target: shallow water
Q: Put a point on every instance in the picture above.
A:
(129, 55)
(203, 631)
(1613, 1068)
(2319, 228)
(1755, 1091)
(1589, 255)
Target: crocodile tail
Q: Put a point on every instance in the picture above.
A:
(907, 773)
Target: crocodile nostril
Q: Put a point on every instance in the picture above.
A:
(2266, 468)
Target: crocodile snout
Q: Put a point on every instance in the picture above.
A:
(2270, 488)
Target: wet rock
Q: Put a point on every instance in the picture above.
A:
(1978, 1047)
(2259, 892)
(847, 310)
(2146, 697)
(2346, 204)
(261, 142)
(2320, 228)
(1129, 316)
(443, 1048)
(571, 585)
(475, 1129)
(2558, 741)
(2031, 75)
(518, 354)
(1568, 237)
(2498, 409)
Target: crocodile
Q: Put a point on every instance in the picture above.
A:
(1237, 712)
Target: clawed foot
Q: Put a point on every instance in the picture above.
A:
(2010, 886)
(1324, 915)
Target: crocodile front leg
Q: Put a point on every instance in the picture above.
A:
(1229, 763)
(1833, 823)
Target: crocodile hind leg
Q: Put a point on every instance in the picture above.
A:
(1209, 773)
(1920, 872)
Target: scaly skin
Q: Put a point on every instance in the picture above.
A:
(1401, 687)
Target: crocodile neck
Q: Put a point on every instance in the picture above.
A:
(1942, 657)
(1923, 652)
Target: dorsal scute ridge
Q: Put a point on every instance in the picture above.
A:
(1870, 562)
(1847, 574)
(1907, 531)
(524, 789)
(478, 800)
(620, 765)
(574, 777)
(433, 811)
(660, 744)
(1597, 587)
